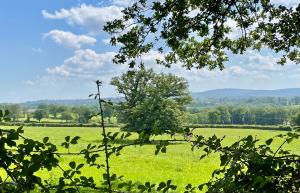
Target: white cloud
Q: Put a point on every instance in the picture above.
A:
(106, 41)
(59, 70)
(124, 3)
(285, 2)
(87, 64)
(253, 69)
(91, 17)
(29, 82)
(199, 78)
(250, 70)
(238, 71)
(254, 60)
(70, 40)
(235, 32)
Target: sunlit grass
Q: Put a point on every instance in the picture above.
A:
(139, 163)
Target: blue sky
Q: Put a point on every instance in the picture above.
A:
(54, 49)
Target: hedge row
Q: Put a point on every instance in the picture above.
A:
(260, 127)
(49, 124)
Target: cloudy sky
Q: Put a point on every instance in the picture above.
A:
(55, 49)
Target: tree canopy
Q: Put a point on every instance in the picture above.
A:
(201, 33)
(154, 103)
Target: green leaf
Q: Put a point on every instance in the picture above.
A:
(105, 176)
(157, 149)
(224, 159)
(34, 168)
(113, 177)
(161, 186)
(46, 139)
(74, 140)
(67, 138)
(79, 166)
(269, 141)
(72, 165)
(200, 187)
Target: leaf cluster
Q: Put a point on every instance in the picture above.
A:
(201, 33)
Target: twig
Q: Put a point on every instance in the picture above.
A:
(105, 139)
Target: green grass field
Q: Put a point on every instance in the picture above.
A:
(179, 164)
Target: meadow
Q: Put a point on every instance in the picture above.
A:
(140, 164)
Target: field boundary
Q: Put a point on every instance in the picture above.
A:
(191, 126)
(257, 127)
(49, 124)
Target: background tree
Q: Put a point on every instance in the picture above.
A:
(28, 117)
(83, 113)
(15, 110)
(39, 114)
(225, 116)
(55, 110)
(67, 116)
(108, 111)
(43, 106)
(238, 115)
(296, 119)
(154, 103)
(214, 117)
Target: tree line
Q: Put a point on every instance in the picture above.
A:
(251, 101)
(249, 115)
(54, 112)
(219, 114)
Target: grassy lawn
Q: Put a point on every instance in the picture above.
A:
(179, 164)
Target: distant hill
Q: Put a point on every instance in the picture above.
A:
(246, 93)
(68, 102)
(205, 98)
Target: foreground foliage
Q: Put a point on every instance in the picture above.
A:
(247, 166)
(200, 34)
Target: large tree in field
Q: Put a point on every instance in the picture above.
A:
(154, 103)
